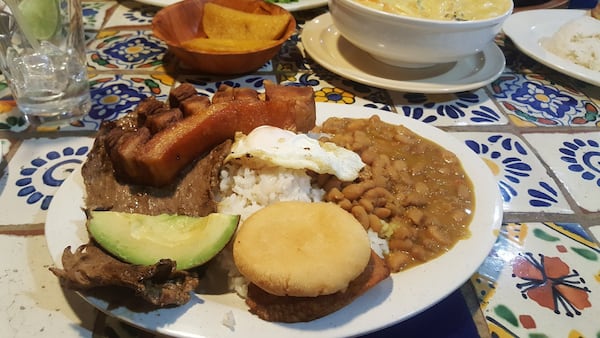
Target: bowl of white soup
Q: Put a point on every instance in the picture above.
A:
(420, 33)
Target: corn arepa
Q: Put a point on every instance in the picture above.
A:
(301, 249)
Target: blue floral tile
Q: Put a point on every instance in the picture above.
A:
(575, 160)
(455, 109)
(35, 172)
(115, 95)
(333, 89)
(131, 13)
(541, 280)
(522, 180)
(130, 50)
(94, 13)
(530, 100)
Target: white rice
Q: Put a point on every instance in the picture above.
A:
(578, 41)
(244, 191)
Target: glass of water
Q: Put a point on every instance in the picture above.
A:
(42, 56)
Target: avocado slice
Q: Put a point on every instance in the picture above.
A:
(144, 239)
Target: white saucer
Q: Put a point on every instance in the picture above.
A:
(326, 46)
(527, 30)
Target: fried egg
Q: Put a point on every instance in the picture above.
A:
(272, 146)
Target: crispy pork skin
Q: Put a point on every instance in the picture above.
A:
(176, 139)
(297, 99)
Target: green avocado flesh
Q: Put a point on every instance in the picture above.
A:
(143, 239)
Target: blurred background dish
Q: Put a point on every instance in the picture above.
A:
(527, 29)
(290, 6)
(181, 22)
(407, 41)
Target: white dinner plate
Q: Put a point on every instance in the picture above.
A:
(290, 6)
(395, 299)
(526, 29)
(325, 44)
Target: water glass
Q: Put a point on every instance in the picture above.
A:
(42, 56)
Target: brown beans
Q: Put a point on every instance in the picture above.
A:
(355, 191)
(361, 215)
(382, 213)
(334, 195)
(397, 260)
(412, 191)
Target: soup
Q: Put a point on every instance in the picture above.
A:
(449, 10)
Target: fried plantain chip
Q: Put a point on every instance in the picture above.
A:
(220, 22)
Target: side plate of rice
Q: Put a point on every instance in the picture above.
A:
(566, 40)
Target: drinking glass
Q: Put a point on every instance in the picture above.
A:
(42, 56)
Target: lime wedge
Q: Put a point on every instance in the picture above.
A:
(41, 16)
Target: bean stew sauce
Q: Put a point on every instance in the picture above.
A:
(412, 192)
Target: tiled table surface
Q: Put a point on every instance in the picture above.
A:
(536, 129)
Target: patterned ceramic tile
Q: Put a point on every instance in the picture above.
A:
(530, 101)
(523, 182)
(33, 175)
(131, 13)
(574, 158)
(116, 49)
(541, 280)
(94, 13)
(115, 95)
(11, 118)
(333, 89)
(459, 109)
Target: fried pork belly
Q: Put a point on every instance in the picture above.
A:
(159, 284)
(165, 142)
(290, 309)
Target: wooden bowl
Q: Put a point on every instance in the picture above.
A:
(182, 21)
